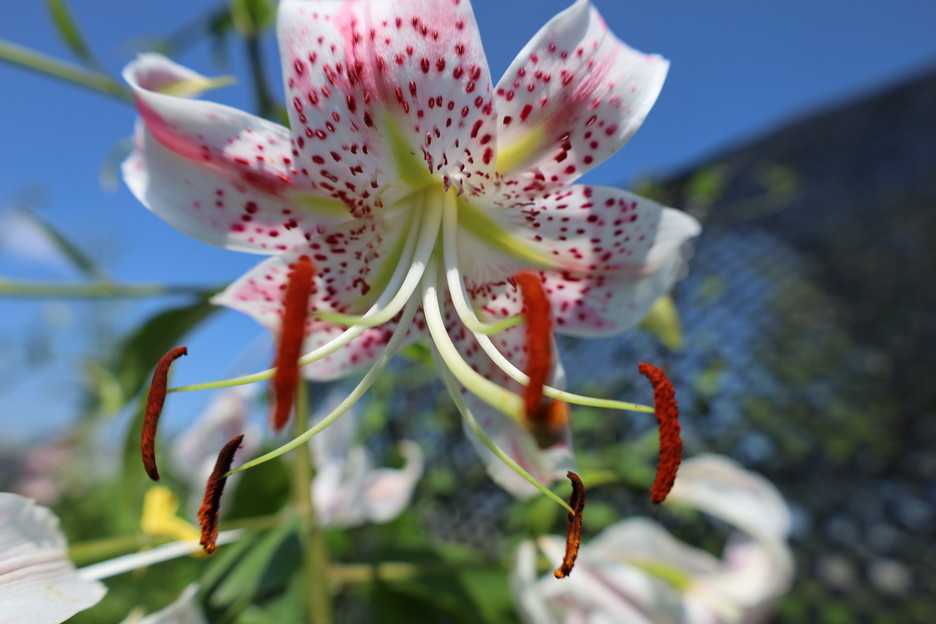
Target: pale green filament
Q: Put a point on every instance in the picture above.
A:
(499, 398)
(490, 445)
(388, 305)
(480, 329)
(363, 386)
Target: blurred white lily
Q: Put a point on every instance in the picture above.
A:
(185, 610)
(38, 583)
(348, 490)
(193, 453)
(635, 571)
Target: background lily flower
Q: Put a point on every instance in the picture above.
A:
(193, 451)
(37, 580)
(348, 490)
(185, 610)
(636, 571)
(405, 165)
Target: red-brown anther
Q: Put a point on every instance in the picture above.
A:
(546, 419)
(214, 488)
(154, 405)
(574, 530)
(292, 334)
(667, 415)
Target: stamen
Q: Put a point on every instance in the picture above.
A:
(402, 329)
(403, 284)
(482, 330)
(454, 392)
(545, 419)
(211, 502)
(154, 405)
(667, 415)
(292, 333)
(574, 530)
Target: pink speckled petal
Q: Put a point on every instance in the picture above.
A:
(355, 70)
(547, 465)
(347, 258)
(581, 90)
(212, 171)
(359, 354)
(619, 253)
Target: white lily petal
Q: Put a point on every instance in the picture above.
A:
(572, 97)
(37, 581)
(719, 486)
(214, 172)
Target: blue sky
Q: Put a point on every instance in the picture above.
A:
(738, 68)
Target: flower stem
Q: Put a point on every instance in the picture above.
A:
(315, 553)
(96, 290)
(35, 61)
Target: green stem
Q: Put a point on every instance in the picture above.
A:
(97, 290)
(35, 61)
(95, 550)
(315, 553)
(264, 100)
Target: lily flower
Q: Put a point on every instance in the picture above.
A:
(347, 490)
(38, 582)
(226, 416)
(635, 571)
(420, 191)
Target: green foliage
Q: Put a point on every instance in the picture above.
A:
(139, 351)
(251, 17)
(68, 30)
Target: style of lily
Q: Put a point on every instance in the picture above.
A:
(40, 584)
(636, 572)
(430, 202)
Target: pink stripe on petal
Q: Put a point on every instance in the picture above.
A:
(212, 171)
(583, 88)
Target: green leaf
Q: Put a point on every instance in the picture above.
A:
(271, 478)
(266, 564)
(37, 62)
(138, 352)
(222, 562)
(252, 16)
(71, 252)
(68, 30)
